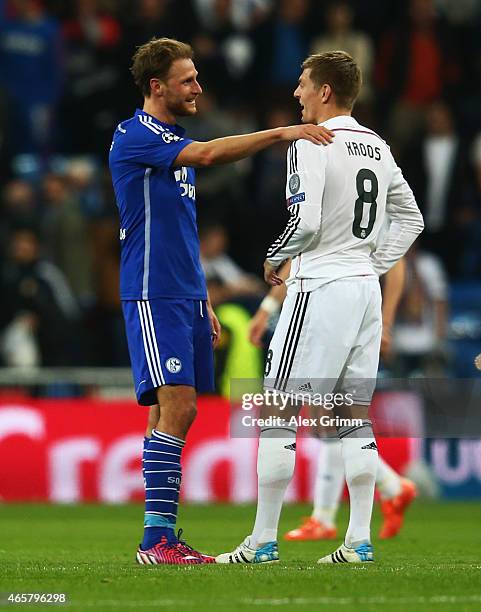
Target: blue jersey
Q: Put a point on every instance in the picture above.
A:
(158, 229)
(30, 52)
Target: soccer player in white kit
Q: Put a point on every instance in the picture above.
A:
(329, 332)
(396, 492)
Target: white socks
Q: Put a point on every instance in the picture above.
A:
(387, 480)
(329, 482)
(354, 456)
(276, 459)
(359, 452)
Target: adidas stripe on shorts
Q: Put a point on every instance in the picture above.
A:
(328, 340)
(170, 343)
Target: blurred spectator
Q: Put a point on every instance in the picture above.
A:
(225, 279)
(416, 65)
(3, 123)
(19, 207)
(107, 324)
(225, 183)
(66, 236)
(145, 19)
(470, 261)
(31, 74)
(419, 333)
(83, 177)
(243, 15)
(89, 108)
(272, 165)
(222, 192)
(282, 42)
(223, 53)
(37, 304)
(437, 170)
(148, 18)
(341, 35)
(459, 12)
(269, 215)
(374, 17)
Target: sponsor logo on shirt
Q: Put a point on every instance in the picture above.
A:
(296, 199)
(186, 189)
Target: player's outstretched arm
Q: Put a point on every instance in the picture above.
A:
(233, 148)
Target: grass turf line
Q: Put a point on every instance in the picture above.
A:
(88, 552)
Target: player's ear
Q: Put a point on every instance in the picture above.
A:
(157, 87)
(325, 93)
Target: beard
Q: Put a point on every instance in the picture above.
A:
(181, 108)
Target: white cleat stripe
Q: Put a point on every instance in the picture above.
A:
(141, 558)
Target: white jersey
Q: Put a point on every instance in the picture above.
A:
(338, 196)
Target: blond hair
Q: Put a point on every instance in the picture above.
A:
(154, 59)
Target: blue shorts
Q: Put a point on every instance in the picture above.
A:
(170, 343)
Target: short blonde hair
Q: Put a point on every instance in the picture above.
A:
(153, 60)
(339, 70)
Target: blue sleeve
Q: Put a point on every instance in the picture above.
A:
(55, 61)
(159, 150)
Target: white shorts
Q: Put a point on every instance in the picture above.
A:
(328, 340)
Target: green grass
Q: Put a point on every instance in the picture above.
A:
(87, 552)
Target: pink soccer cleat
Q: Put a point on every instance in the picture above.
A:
(188, 550)
(165, 553)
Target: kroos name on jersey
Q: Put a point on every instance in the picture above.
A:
(360, 149)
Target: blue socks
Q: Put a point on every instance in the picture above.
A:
(162, 476)
(146, 444)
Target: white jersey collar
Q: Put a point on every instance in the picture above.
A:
(340, 121)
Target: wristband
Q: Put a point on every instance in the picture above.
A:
(270, 305)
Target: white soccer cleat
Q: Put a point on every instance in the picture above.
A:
(362, 554)
(245, 554)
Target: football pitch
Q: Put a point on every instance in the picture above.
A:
(88, 553)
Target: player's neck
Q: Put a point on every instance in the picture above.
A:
(152, 107)
(329, 113)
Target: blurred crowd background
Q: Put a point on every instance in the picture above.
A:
(65, 85)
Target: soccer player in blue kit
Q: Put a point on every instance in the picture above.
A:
(171, 327)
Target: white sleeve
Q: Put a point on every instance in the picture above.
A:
(406, 224)
(432, 273)
(306, 166)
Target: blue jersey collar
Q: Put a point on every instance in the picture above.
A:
(176, 129)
